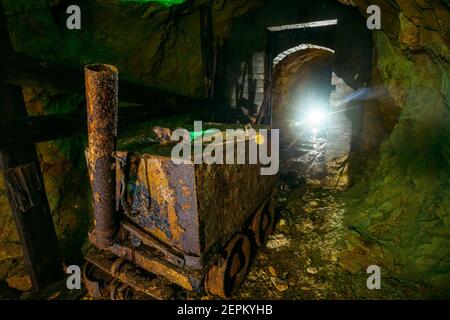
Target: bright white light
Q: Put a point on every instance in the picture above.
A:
(316, 117)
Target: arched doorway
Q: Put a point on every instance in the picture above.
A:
(307, 108)
(301, 86)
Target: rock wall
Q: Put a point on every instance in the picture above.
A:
(400, 212)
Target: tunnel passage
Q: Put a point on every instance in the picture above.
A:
(260, 42)
(309, 109)
(300, 101)
(302, 85)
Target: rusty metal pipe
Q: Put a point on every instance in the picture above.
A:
(102, 106)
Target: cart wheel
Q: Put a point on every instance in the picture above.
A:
(226, 276)
(263, 223)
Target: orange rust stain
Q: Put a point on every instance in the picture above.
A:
(97, 198)
(160, 190)
(186, 191)
(160, 269)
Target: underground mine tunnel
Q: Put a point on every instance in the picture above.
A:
(205, 149)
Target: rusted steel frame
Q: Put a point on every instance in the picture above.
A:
(102, 107)
(121, 161)
(150, 261)
(127, 273)
(170, 254)
(171, 189)
(92, 285)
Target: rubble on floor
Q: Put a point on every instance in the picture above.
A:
(302, 259)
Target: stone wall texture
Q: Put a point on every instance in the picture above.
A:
(400, 217)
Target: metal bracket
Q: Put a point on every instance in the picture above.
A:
(121, 161)
(24, 186)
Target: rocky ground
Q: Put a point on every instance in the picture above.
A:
(302, 259)
(308, 255)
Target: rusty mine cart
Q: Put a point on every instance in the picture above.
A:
(157, 223)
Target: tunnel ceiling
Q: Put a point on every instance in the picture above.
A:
(166, 3)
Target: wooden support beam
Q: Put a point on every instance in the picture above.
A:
(23, 70)
(28, 130)
(209, 55)
(25, 189)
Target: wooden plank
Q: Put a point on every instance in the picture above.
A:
(207, 49)
(23, 70)
(26, 193)
(26, 130)
(27, 198)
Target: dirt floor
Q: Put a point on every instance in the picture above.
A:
(301, 260)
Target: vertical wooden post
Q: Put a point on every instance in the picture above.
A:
(209, 54)
(265, 112)
(25, 188)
